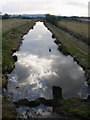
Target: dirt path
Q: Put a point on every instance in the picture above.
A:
(82, 47)
(78, 48)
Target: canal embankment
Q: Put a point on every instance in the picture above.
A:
(11, 40)
(13, 31)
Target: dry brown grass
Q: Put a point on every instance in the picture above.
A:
(77, 27)
(12, 23)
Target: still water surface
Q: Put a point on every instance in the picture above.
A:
(38, 69)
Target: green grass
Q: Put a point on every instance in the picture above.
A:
(76, 107)
(8, 62)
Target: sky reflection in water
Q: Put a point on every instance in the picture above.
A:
(37, 69)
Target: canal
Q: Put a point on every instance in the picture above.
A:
(40, 66)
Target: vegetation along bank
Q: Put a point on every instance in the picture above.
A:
(12, 33)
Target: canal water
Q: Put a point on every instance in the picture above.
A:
(40, 66)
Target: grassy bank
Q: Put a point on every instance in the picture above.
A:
(13, 30)
(74, 47)
(8, 109)
(79, 108)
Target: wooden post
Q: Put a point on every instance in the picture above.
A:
(57, 96)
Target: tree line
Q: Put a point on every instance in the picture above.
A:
(52, 19)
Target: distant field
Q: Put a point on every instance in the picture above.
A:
(75, 26)
(10, 24)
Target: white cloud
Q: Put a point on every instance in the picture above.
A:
(63, 7)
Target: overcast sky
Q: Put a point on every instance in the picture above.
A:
(62, 7)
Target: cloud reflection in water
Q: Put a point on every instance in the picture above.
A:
(38, 69)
